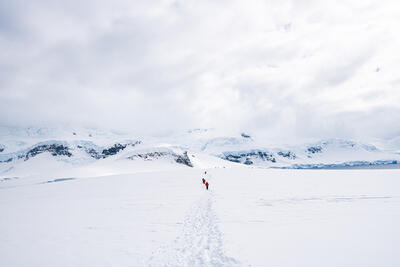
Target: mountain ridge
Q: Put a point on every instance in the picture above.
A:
(85, 146)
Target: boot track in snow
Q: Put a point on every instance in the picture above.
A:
(200, 243)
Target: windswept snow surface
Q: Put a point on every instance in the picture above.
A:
(249, 217)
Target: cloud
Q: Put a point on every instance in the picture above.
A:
(291, 69)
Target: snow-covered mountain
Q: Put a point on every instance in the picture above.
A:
(329, 153)
(40, 148)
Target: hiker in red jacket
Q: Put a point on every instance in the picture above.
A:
(204, 181)
(207, 185)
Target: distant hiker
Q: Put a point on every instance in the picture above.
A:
(204, 181)
(205, 172)
(207, 185)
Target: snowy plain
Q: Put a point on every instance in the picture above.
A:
(91, 198)
(249, 217)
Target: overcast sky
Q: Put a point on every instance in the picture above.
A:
(287, 69)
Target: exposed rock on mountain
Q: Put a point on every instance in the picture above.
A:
(53, 149)
(248, 157)
(154, 155)
(113, 150)
(287, 154)
(314, 149)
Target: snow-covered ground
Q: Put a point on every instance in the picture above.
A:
(165, 217)
(94, 198)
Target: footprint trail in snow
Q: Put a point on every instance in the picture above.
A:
(200, 242)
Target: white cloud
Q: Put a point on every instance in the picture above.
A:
(289, 69)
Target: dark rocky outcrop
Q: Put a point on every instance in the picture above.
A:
(314, 149)
(248, 162)
(113, 150)
(181, 159)
(287, 154)
(62, 149)
(93, 153)
(184, 159)
(244, 135)
(149, 156)
(53, 149)
(248, 157)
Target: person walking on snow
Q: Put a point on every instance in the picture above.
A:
(204, 181)
(207, 185)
